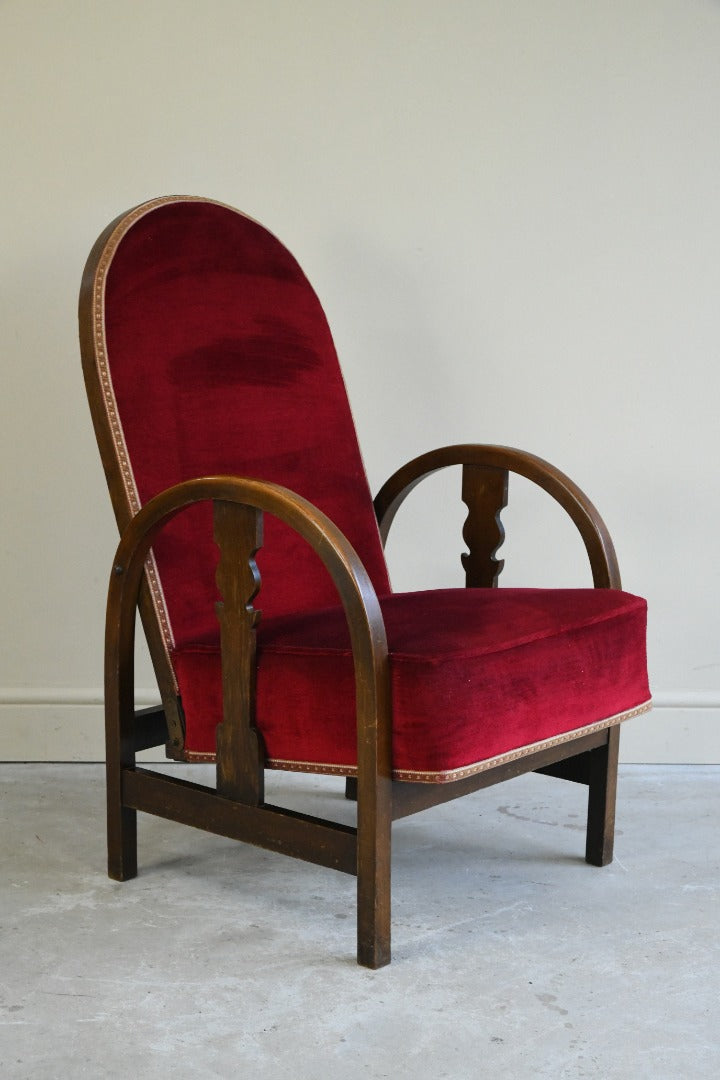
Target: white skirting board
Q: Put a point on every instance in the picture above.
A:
(67, 725)
(59, 724)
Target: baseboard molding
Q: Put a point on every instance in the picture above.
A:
(60, 724)
(683, 728)
(49, 724)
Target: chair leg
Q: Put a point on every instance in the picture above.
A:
(373, 873)
(121, 830)
(351, 788)
(601, 801)
(121, 819)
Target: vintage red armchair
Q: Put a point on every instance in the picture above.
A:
(225, 432)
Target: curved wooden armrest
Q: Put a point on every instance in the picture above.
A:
(487, 467)
(238, 505)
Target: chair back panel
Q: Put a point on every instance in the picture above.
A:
(218, 360)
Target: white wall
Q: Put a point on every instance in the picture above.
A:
(510, 210)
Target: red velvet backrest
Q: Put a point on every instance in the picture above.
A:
(220, 361)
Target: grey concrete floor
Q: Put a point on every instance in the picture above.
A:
(512, 958)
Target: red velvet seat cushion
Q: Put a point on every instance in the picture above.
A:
(476, 675)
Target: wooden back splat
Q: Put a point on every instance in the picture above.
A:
(485, 493)
(238, 531)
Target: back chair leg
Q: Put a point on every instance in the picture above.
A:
(601, 801)
(121, 820)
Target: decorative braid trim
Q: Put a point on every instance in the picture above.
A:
(449, 775)
(516, 755)
(306, 766)
(116, 430)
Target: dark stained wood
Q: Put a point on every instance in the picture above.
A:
(150, 728)
(410, 798)
(597, 769)
(601, 801)
(315, 840)
(120, 736)
(240, 753)
(485, 493)
(599, 546)
(576, 769)
(374, 817)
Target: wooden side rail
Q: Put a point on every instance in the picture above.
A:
(150, 728)
(485, 478)
(239, 504)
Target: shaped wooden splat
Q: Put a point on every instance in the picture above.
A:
(238, 531)
(485, 493)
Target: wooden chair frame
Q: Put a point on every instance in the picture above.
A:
(236, 807)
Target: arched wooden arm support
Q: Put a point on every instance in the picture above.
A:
(239, 504)
(485, 475)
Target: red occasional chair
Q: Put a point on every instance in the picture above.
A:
(224, 431)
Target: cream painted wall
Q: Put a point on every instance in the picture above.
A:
(510, 210)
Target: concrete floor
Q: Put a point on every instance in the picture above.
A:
(512, 958)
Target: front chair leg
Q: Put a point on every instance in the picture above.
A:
(601, 801)
(373, 873)
(122, 844)
(120, 743)
(121, 829)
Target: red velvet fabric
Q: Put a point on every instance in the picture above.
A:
(475, 674)
(222, 363)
